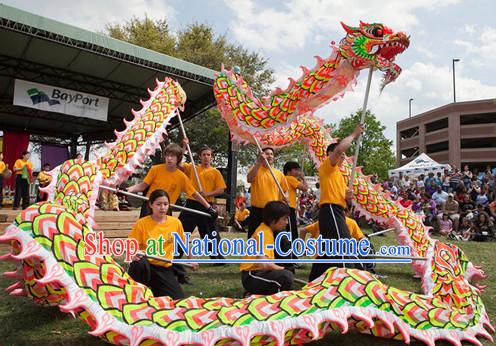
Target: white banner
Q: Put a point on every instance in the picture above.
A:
(60, 100)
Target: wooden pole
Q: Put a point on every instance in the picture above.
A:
(161, 259)
(146, 199)
(381, 232)
(362, 120)
(197, 177)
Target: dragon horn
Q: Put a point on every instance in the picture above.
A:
(347, 28)
(363, 24)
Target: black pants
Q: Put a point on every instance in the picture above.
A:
(164, 282)
(255, 220)
(293, 223)
(204, 223)
(332, 224)
(21, 192)
(267, 281)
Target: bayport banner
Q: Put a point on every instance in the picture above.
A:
(60, 100)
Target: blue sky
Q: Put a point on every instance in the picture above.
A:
(290, 33)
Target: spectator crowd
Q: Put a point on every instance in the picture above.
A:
(458, 204)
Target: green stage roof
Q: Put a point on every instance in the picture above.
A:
(42, 50)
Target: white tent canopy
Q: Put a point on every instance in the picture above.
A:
(423, 164)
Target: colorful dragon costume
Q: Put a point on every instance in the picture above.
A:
(368, 45)
(52, 268)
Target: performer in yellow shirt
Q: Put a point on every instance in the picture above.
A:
(44, 180)
(23, 169)
(355, 232)
(212, 185)
(241, 217)
(168, 177)
(296, 181)
(268, 278)
(314, 231)
(162, 277)
(333, 199)
(263, 187)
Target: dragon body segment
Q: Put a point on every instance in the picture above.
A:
(369, 45)
(52, 267)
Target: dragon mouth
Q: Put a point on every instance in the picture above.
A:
(389, 50)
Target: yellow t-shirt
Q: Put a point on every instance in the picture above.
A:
(210, 178)
(19, 164)
(147, 228)
(268, 238)
(353, 228)
(241, 215)
(264, 189)
(173, 182)
(2, 166)
(292, 186)
(313, 229)
(44, 178)
(332, 185)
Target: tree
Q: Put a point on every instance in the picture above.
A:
(375, 155)
(198, 44)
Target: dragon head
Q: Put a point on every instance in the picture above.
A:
(374, 45)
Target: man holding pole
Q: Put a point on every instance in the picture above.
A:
(211, 184)
(263, 187)
(168, 177)
(333, 199)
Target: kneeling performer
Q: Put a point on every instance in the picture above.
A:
(268, 278)
(159, 275)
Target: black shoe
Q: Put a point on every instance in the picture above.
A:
(246, 294)
(184, 280)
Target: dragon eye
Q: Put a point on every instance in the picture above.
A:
(377, 32)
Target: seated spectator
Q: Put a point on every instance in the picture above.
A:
(460, 193)
(480, 210)
(405, 183)
(430, 211)
(394, 192)
(440, 196)
(474, 189)
(431, 188)
(467, 207)
(417, 206)
(485, 226)
(452, 210)
(429, 179)
(469, 233)
(420, 182)
(439, 179)
(482, 198)
(445, 225)
(464, 226)
(405, 201)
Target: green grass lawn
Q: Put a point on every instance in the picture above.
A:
(24, 323)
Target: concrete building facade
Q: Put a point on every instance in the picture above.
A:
(457, 133)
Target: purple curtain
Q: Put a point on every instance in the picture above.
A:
(53, 154)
